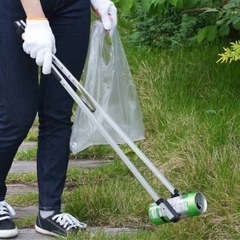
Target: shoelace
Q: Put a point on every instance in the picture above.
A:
(68, 222)
(6, 211)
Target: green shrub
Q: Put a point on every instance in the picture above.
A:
(173, 29)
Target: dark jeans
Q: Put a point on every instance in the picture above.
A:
(23, 95)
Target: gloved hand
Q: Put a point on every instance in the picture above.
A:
(107, 12)
(39, 42)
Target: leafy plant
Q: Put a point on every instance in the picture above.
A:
(227, 22)
(231, 54)
(156, 6)
(173, 29)
(213, 19)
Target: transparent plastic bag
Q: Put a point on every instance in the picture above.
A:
(108, 79)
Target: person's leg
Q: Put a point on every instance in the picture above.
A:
(70, 24)
(18, 101)
(18, 89)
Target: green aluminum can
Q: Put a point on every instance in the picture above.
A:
(186, 205)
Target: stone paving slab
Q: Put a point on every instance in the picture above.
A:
(18, 189)
(31, 234)
(27, 145)
(30, 166)
(22, 212)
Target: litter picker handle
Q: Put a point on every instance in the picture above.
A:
(20, 26)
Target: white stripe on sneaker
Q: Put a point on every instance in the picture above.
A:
(45, 232)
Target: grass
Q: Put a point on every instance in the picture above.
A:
(191, 111)
(27, 155)
(28, 199)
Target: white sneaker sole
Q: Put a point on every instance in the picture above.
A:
(8, 233)
(45, 232)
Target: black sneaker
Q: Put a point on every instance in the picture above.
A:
(58, 224)
(7, 227)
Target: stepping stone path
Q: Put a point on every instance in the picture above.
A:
(16, 189)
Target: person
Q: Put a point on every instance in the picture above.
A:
(60, 27)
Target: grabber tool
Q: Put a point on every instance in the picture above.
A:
(162, 210)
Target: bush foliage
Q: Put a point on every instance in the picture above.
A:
(174, 23)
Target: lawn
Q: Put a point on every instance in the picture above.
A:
(191, 108)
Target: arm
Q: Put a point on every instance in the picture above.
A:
(33, 9)
(39, 41)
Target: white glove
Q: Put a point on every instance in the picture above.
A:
(107, 12)
(39, 42)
